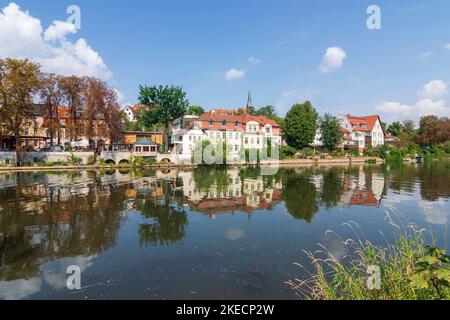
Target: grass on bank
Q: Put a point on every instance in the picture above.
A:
(410, 270)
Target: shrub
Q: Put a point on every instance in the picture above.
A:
(287, 152)
(90, 160)
(74, 160)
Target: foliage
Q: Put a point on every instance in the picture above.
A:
(331, 131)
(433, 130)
(19, 82)
(287, 152)
(300, 125)
(410, 270)
(163, 104)
(90, 160)
(74, 160)
(432, 271)
(195, 110)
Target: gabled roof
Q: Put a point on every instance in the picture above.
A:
(365, 123)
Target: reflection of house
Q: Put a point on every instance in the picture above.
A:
(247, 197)
(364, 189)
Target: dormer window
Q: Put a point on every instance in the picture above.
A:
(224, 123)
(236, 124)
(211, 123)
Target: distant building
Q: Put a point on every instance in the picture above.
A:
(131, 112)
(237, 128)
(362, 132)
(130, 137)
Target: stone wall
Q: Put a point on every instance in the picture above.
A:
(9, 157)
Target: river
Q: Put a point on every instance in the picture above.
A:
(207, 233)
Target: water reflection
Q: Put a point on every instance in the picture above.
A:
(53, 219)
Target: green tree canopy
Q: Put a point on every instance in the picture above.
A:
(331, 131)
(163, 104)
(300, 125)
(195, 110)
(395, 128)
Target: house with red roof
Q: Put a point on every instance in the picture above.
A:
(237, 128)
(362, 131)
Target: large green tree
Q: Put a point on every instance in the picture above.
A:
(19, 83)
(300, 125)
(331, 131)
(163, 104)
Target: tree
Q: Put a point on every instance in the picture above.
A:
(195, 110)
(395, 128)
(300, 125)
(267, 111)
(331, 131)
(163, 104)
(51, 97)
(433, 130)
(409, 127)
(19, 82)
(73, 88)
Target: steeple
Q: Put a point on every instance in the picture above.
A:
(249, 102)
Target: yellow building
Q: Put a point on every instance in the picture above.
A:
(130, 137)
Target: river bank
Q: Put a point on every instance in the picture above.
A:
(306, 162)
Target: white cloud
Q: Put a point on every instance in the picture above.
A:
(434, 89)
(423, 107)
(448, 46)
(332, 60)
(120, 96)
(22, 36)
(234, 74)
(58, 30)
(254, 60)
(425, 55)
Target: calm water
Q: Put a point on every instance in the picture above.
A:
(206, 233)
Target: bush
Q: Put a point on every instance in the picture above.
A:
(74, 160)
(90, 160)
(305, 153)
(287, 152)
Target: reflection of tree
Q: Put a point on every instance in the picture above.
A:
(300, 197)
(41, 223)
(434, 180)
(332, 187)
(168, 220)
(205, 178)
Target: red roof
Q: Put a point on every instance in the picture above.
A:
(219, 116)
(365, 123)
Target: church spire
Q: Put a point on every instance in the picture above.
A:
(249, 102)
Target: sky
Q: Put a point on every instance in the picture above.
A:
(282, 51)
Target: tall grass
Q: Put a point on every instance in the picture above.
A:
(346, 278)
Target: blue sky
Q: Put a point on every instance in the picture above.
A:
(194, 43)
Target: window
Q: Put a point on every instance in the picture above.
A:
(137, 149)
(236, 124)
(230, 135)
(224, 135)
(237, 135)
(190, 138)
(224, 124)
(27, 131)
(267, 129)
(218, 135)
(246, 140)
(211, 124)
(153, 149)
(257, 141)
(146, 149)
(236, 148)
